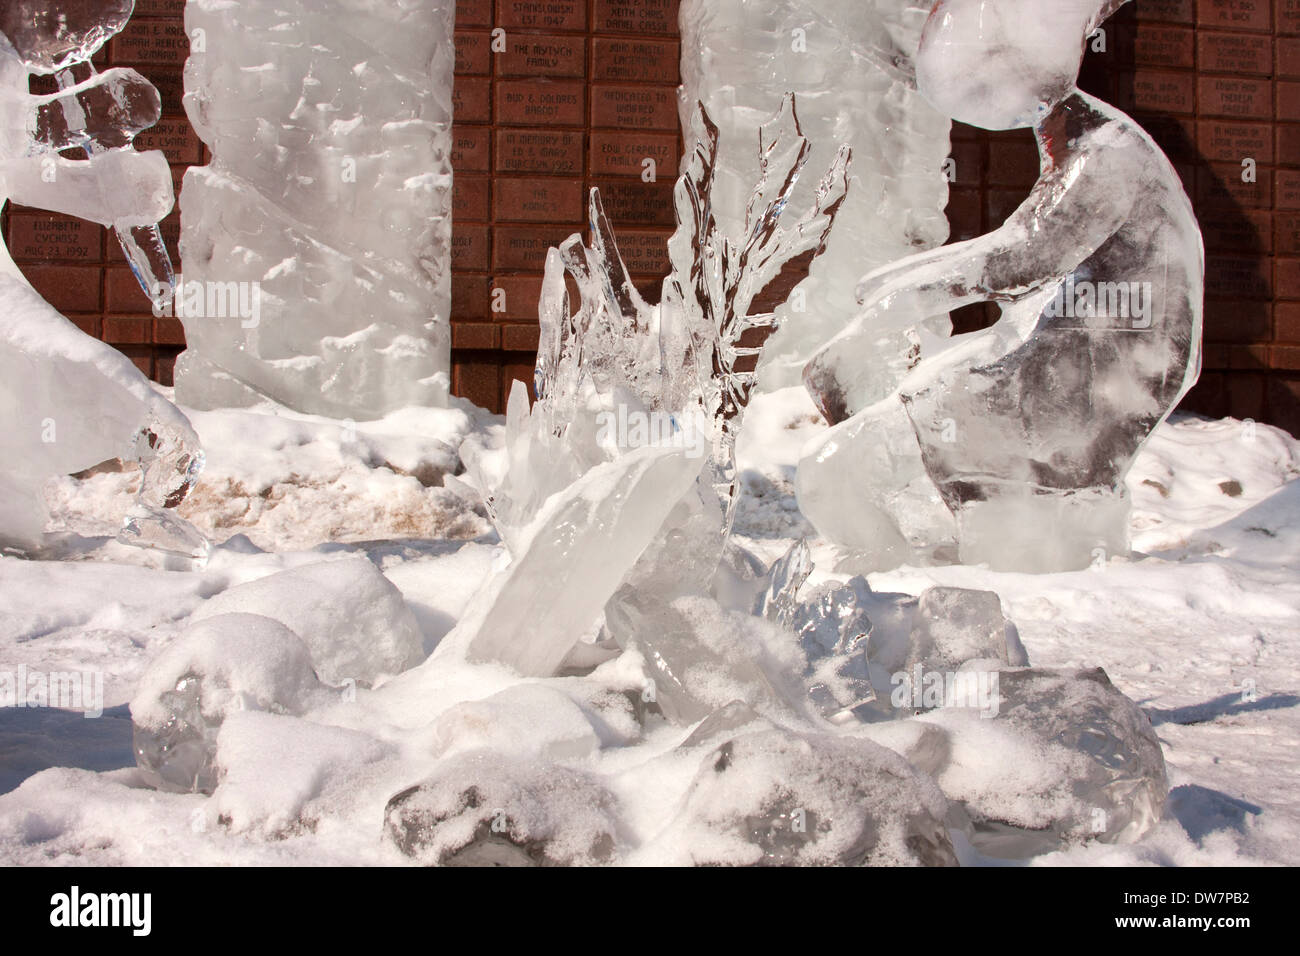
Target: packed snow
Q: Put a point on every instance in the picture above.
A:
(368, 762)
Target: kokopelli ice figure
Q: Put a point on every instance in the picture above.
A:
(70, 401)
(1026, 429)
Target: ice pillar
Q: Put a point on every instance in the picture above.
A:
(316, 244)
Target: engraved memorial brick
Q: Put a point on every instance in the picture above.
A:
(539, 151)
(541, 102)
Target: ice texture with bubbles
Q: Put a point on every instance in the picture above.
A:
(849, 63)
(330, 189)
(1025, 429)
(73, 402)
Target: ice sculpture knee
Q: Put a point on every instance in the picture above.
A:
(1028, 428)
(71, 401)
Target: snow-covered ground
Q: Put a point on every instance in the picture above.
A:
(1201, 626)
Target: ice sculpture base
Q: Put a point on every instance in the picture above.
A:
(1044, 533)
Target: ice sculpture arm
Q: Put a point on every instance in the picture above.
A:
(121, 188)
(1087, 201)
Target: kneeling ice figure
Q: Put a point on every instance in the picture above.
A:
(1028, 428)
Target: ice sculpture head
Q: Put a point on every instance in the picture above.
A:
(1003, 64)
(55, 37)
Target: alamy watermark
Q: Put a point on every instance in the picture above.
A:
(1126, 306)
(628, 429)
(64, 690)
(210, 300)
(920, 689)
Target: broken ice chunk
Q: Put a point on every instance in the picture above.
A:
(219, 666)
(1067, 758)
(352, 618)
(833, 628)
(490, 809)
(776, 798)
(954, 626)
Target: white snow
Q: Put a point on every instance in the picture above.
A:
(1200, 626)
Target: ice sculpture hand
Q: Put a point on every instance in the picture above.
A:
(72, 401)
(1026, 429)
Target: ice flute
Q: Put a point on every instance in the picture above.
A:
(1028, 428)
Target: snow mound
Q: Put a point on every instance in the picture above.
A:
(354, 621)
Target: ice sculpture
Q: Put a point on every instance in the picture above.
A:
(1028, 428)
(625, 471)
(849, 63)
(774, 798)
(326, 208)
(72, 401)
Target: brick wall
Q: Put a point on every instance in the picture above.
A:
(583, 92)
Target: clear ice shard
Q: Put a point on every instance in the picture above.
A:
(217, 667)
(327, 206)
(75, 402)
(850, 66)
(777, 798)
(1075, 760)
(624, 473)
(492, 809)
(1032, 423)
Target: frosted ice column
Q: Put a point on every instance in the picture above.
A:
(849, 64)
(1028, 428)
(326, 207)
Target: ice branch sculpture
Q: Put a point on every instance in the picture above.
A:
(72, 401)
(624, 472)
(1025, 429)
(851, 66)
(327, 205)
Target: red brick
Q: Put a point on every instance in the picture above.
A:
(1167, 11)
(1159, 91)
(539, 200)
(474, 13)
(469, 297)
(152, 42)
(67, 288)
(168, 331)
(1286, 16)
(1221, 184)
(1161, 45)
(471, 99)
(645, 18)
(1013, 161)
(469, 247)
(471, 149)
(1288, 57)
(51, 237)
(557, 152)
(175, 137)
(563, 15)
(541, 102)
(469, 199)
(473, 52)
(634, 107)
(625, 153)
(524, 248)
(1232, 142)
(1286, 316)
(1236, 97)
(519, 338)
(1238, 321)
(475, 335)
(517, 296)
(128, 330)
(535, 54)
(477, 377)
(1235, 14)
(1287, 280)
(1287, 357)
(1286, 227)
(1234, 53)
(123, 292)
(1237, 277)
(1237, 230)
(621, 59)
